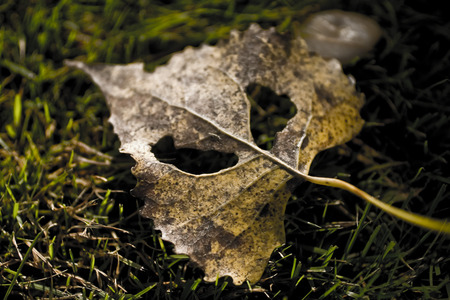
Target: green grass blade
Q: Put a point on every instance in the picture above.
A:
(22, 264)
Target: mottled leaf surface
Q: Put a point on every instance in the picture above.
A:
(228, 222)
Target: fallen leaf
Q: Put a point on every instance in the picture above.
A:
(228, 222)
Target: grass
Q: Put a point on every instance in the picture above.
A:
(70, 229)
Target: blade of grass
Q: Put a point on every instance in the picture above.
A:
(141, 293)
(22, 264)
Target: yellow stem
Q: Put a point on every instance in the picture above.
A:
(419, 220)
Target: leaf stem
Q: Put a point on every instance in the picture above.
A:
(413, 218)
(416, 219)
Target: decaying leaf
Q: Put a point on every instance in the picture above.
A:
(230, 221)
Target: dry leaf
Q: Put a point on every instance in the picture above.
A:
(228, 222)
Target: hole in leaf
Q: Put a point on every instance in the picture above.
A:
(192, 160)
(269, 114)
